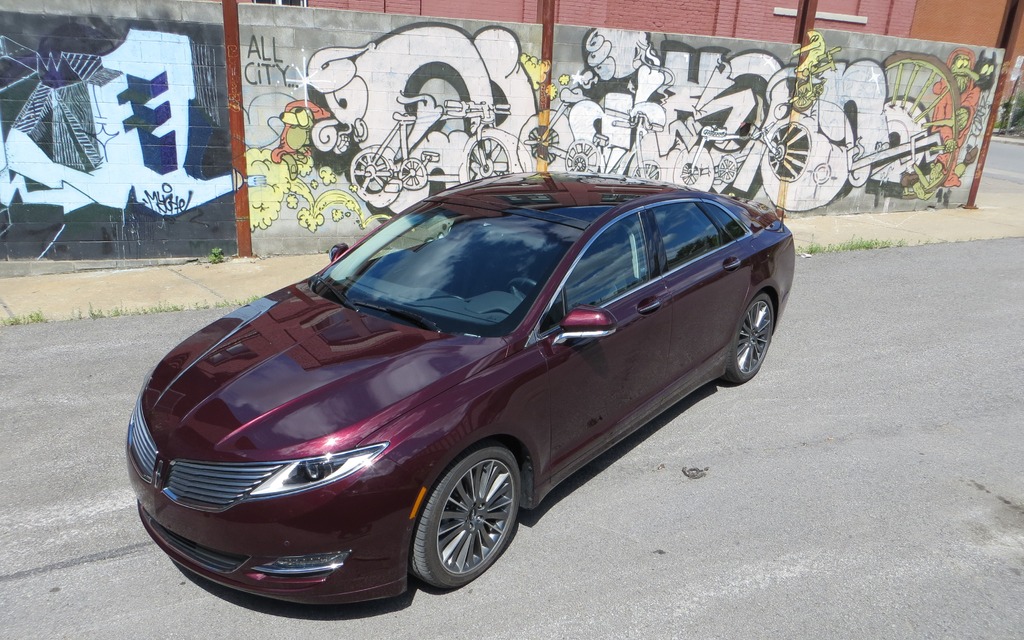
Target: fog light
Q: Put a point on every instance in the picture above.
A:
(299, 565)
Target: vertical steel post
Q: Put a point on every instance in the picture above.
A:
(546, 14)
(236, 126)
(1008, 36)
(805, 14)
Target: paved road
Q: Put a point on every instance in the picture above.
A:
(1005, 162)
(868, 483)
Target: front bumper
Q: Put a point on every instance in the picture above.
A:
(366, 515)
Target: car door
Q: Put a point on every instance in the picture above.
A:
(707, 274)
(595, 383)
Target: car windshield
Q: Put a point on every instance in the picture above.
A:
(475, 272)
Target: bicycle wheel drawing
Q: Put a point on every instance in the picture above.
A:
(789, 151)
(372, 172)
(412, 173)
(487, 157)
(582, 156)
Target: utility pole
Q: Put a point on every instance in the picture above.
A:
(236, 127)
(1008, 35)
(805, 14)
(546, 15)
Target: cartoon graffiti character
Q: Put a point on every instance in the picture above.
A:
(961, 63)
(952, 112)
(294, 146)
(817, 59)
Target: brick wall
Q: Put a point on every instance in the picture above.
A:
(947, 21)
(755, 19)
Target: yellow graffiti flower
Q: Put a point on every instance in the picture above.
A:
(292, 201)
(310, 220)
(327, 176)
(564, 79)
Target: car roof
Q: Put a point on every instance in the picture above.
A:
(574, 199)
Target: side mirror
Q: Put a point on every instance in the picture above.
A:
(585, 321)
(337, 251)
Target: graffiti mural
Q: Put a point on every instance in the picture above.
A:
(352, 132)
(113, 140)
(803, 131)
(367, 130)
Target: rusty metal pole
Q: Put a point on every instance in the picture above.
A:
(546, 14)
(236, 126)
(805, 14)
(1008, 35)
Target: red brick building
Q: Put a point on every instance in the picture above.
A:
(773, 20)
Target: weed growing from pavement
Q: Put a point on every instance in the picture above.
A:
(216, 255)
(95, 314)
(32, 318)
(857, 244)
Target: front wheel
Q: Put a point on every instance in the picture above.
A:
(469, 518)
(750, 345)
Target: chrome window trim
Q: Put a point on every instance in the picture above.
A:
(536, 335)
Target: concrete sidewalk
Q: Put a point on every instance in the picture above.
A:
(179, 284)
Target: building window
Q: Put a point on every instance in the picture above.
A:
(286, 3)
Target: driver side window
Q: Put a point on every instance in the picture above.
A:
(614, 263)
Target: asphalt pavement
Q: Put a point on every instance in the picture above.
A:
(866, 484)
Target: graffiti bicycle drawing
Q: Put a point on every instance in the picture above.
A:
(596, 156)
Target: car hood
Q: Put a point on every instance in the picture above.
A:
(294, 375)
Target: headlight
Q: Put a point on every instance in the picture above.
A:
(314, 472)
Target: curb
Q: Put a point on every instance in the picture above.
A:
(26, 268)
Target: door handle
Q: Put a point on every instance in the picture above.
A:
(731, 264)
(648, 305)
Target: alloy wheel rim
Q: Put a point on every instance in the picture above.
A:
(476, 516)
(754, 336)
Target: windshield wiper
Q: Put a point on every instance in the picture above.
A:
(415, 318)
(319, 282)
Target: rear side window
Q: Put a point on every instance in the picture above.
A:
(733, 229)
(686, 232)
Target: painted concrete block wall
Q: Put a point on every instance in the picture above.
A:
(366, 114)
(113, 130)
(113, 121)
(866, 123)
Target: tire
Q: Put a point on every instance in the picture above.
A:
(455, 542)
(750, 345)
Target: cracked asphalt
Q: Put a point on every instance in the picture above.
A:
(868, 483)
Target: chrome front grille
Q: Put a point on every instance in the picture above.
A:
(204, 556)
(214, 486)
(141, 444)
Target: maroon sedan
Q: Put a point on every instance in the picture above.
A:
(393, 413)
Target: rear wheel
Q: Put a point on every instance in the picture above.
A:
(469, 518)
(753, 337)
